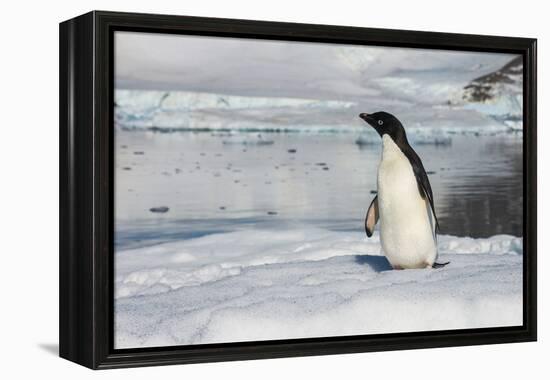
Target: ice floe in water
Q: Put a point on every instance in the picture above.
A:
(247, 139)
(269, 284)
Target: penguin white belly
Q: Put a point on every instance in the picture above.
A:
(406, 222)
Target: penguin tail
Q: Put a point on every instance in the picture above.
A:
(440, 265)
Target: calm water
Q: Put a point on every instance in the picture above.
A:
(215, 182)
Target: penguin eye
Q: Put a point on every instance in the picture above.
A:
(380, 122)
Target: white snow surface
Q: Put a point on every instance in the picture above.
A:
(283, 284)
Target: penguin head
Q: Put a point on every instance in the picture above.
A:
(385, 123)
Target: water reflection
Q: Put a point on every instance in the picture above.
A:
(483, 195)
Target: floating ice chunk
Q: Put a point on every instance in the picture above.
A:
(248, 139)
(367, 139)
(414, 138)
(431, 140)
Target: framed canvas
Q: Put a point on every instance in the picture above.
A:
(235, 189)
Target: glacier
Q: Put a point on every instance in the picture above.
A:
(180, 111)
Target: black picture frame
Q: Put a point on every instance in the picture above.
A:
(86, 189)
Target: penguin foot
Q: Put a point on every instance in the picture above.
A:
(439, 265)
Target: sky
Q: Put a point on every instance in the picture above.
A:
(253, 67)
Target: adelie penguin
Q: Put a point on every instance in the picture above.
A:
(404, 203)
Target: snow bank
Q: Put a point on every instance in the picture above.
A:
(266, 284)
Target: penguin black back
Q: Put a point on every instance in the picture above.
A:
(386, 123)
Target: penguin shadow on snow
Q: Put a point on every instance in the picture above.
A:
(377, 263)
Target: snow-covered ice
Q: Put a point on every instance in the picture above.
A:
(280, 284)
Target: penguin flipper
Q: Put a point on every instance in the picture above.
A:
(372, 217)
(426, 193)
(422, 180)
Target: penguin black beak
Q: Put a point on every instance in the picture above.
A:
(366, 117)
